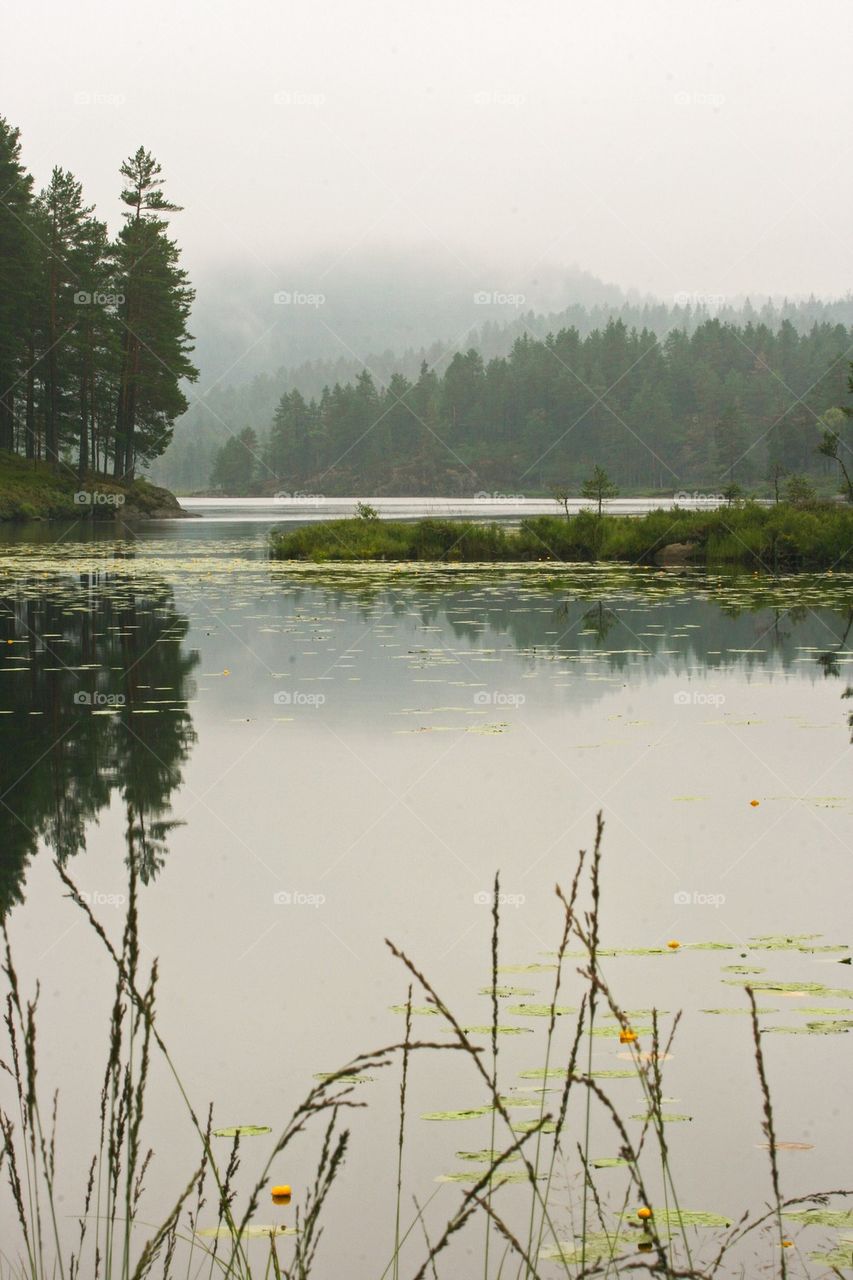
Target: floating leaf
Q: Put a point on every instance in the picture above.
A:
(821, 1217)
(457, 1115)
(811, 1029)
(666, 1117)
(253, 1232)
(242, 1131)
(539, 1010)
(498, 1178)
(504, 993)
(689, 1218)
(485, 1156)
(486, 1030)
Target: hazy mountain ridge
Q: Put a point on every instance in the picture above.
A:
(235, 402)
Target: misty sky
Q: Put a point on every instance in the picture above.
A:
(670, 147)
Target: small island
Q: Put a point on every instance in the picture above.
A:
(783, 537)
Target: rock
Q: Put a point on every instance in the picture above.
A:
(676, 553)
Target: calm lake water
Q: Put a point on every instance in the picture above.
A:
(314, 761)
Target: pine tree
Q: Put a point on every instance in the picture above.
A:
(599, 487)
(63, 217)
(17, 275)
(155, 304)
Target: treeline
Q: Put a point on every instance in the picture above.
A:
(725, 404)
(93, 329)
(225, 410)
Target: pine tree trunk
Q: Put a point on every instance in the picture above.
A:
(30, 442)
(51, 426)
(83, 461)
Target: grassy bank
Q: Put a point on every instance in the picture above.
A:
(33, 491)
(784, 536)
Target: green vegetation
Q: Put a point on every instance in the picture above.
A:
(300, 360)
(93, 330)
(812, 535)
(727, 404)
(31, 490)
(596, 488)
(620, 1206)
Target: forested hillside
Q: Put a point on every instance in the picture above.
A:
(227, 410)
(723, 404)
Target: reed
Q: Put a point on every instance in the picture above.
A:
(105, 1242)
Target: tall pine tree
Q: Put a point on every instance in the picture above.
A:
(155, 304)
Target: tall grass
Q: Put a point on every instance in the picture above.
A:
(107, 1242)
(759, 537)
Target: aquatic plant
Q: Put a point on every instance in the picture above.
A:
(532, 1175)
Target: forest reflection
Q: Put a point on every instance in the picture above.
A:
(96, 680)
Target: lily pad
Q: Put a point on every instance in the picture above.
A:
(667, 1117)
(689, 1218)
(468, 1114)
(820, 1217)
(249, 1233)
(539, 1010)
(242, 1131)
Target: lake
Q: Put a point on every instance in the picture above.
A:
(311, 761)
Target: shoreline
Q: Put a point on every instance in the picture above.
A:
(32, 492)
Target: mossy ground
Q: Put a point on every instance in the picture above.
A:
(34, 491)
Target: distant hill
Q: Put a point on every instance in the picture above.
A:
(384, 317)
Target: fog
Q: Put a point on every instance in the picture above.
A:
(665, 148)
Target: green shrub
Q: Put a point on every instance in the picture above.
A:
(759, 537)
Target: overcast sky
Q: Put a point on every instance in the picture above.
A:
(691, 147)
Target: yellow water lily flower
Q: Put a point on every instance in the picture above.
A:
(627, 1036)
(644, 1213)
(673, 944)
